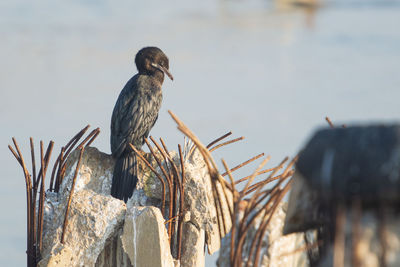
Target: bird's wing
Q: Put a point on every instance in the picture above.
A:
(143, 114)
(134, 115)
(121, 119)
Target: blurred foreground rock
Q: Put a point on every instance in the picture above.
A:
(102, 231)
(347, 186)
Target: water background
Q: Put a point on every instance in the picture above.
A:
(259, 68)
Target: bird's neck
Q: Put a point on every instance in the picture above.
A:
(158, 76)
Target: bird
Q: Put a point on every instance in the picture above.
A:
(134, 114)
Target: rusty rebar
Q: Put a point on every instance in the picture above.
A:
(275, 195)
(261, 196)
(245, 223)
(164, 146)
(273, 209)
(33, 232)
(356, 231)
(181, 206)
(230, 210)
(266, 181)
(190, 147)
(266, 209)
(329, 122)
(55, 166)
(95, 132)
(163, 153)
(79, 134)
(218, 139)
(211, 166)
(44, 161)
(60, 163)
(93, 138)
(177, 210)
(244, 227)
(170, 181)
(226, 143)
(243, 164)
(152, 169)
(15, 154)
(70, 195)
(63, 159)
(174, 213)
(223, 183)
(250, 180)
(18, 155)
(280, 196)
(218, 211)
(41, 196)
(172, 219)
(21, 160)
(33, 162)
(171, 188)
(235, 210)
(33, 237)
(71, 144)
(173, 165)
(177, 187)
(162, 170)
(258, 197)
(285, 175)
(340, 238)
(46, 158)
(253, 200)
(258, 173)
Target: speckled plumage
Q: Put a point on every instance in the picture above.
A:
(135, 113)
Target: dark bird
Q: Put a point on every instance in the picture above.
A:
(134, 115)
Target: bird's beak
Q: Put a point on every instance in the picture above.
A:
(155, 65)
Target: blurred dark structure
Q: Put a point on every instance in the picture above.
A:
(347, 185)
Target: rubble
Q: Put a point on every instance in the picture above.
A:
(101, 230)
(145, 238)
(94, 215)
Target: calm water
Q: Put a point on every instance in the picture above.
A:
(258, 68)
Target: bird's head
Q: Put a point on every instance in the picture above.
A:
(153, 61)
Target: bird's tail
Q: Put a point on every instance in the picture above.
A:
(125, 176)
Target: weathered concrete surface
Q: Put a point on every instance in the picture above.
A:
(93, 218)
(200, 201)
(95, 164)
(145, 237)
(96, 219)
(193, 253)
(113, 254)
(276, 250)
